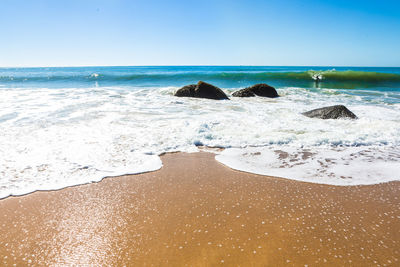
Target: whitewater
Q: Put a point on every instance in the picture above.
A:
(66, 126)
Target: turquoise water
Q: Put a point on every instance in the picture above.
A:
(361, 81)
(68, 126)
(225, 76)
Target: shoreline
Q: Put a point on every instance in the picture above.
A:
(202, 149)
(197, 211)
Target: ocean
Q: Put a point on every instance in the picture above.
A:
(66, 126)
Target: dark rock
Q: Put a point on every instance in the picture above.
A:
(201, 90)
(260, 89)
(187, 90)
(332, 112)
(206, 90)
(243, 93)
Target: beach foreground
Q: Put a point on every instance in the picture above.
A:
(196, 211)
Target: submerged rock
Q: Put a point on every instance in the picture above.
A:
(332, 112)
(201, 90)
(260, 89)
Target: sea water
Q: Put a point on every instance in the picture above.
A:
(66, 126)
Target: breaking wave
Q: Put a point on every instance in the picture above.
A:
(330, 78)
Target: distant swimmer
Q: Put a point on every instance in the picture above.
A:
(317, 78)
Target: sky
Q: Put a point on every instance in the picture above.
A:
(202, 32)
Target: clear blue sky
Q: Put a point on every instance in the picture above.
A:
(201, 32)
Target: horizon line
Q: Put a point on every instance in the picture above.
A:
(183, 65)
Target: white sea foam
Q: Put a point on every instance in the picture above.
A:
(323, 165)
(52, 138)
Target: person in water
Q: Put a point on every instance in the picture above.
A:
(317, 79)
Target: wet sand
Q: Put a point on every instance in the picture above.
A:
(195, 211)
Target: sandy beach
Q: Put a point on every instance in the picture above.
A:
(200, 133)
(195, 211)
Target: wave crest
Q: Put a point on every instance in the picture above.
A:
(331, 78)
